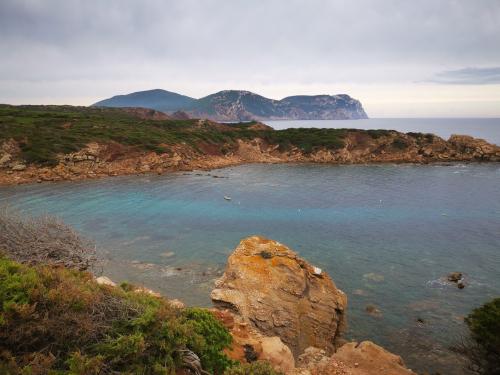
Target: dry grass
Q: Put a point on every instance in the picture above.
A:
(43, 240)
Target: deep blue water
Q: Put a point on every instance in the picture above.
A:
(486, 128)
(385, 233)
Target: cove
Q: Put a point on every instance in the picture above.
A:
(386, 234)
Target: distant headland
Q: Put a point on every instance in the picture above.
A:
(238, 105)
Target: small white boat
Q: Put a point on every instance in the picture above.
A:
(227, 198)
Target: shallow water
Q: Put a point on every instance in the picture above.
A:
(486, 128)
(386, 234)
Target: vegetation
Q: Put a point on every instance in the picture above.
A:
(43, 132)
(484, 326)
(61, 321)
(43, 240)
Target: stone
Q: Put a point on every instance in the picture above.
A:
(5, 159)
(281, 295)
(315, 361)
(178, 304)
(367, 358)
(373, 311)
(104, 280)
(19, 167)
(455, 277)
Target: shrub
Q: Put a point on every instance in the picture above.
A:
(399, 144)
(484, 326)
(43, 240)
(61, 320)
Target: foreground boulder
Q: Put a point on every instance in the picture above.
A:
(269, 287)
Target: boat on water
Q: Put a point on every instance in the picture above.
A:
(227, 198)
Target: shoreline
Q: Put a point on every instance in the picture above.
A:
(95, 160)
(6, 180)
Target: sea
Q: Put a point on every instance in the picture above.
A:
(388, 234)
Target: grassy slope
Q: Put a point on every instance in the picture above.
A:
(45, 131)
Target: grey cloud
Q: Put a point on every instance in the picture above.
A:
(469, 76)
(237, 42)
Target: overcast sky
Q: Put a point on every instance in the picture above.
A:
(423, 58)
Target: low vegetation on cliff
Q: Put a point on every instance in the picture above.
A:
(58, 319)
(43, 132)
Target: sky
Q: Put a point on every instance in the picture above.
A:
(426, 58)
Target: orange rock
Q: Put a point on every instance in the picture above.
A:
(280, 294)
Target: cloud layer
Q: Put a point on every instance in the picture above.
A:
(90, 49)
(469, 76)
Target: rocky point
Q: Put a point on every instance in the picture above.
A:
(284, 310)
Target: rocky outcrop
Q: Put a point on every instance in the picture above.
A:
(280, 294)
(112, 159)
(283, 310)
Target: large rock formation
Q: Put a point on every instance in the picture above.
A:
(273, 301)
(280, 294)
(240, 105)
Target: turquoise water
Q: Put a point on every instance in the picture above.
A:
(486, 128)
(386, 234)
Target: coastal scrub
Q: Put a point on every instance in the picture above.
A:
(59, 320)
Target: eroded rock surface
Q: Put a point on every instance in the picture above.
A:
(367, 358)
(280, 294)
(250, 345)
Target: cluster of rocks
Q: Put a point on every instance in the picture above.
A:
(457, 278)
(281, 309)
(9, 159)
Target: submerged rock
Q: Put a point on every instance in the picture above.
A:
(280, 294)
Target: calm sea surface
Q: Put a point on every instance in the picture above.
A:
(486, 128)
(387, 234)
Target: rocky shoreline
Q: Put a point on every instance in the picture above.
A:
(112, 159)
(280, 309)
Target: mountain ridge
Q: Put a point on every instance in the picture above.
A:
(243, 105)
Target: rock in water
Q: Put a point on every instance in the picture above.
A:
(455, 277)
(280, 294)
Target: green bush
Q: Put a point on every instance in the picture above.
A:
(399, 144)
(484, 326)
(61, 320)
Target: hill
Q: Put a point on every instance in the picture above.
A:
(238, 105)
(161, 100)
